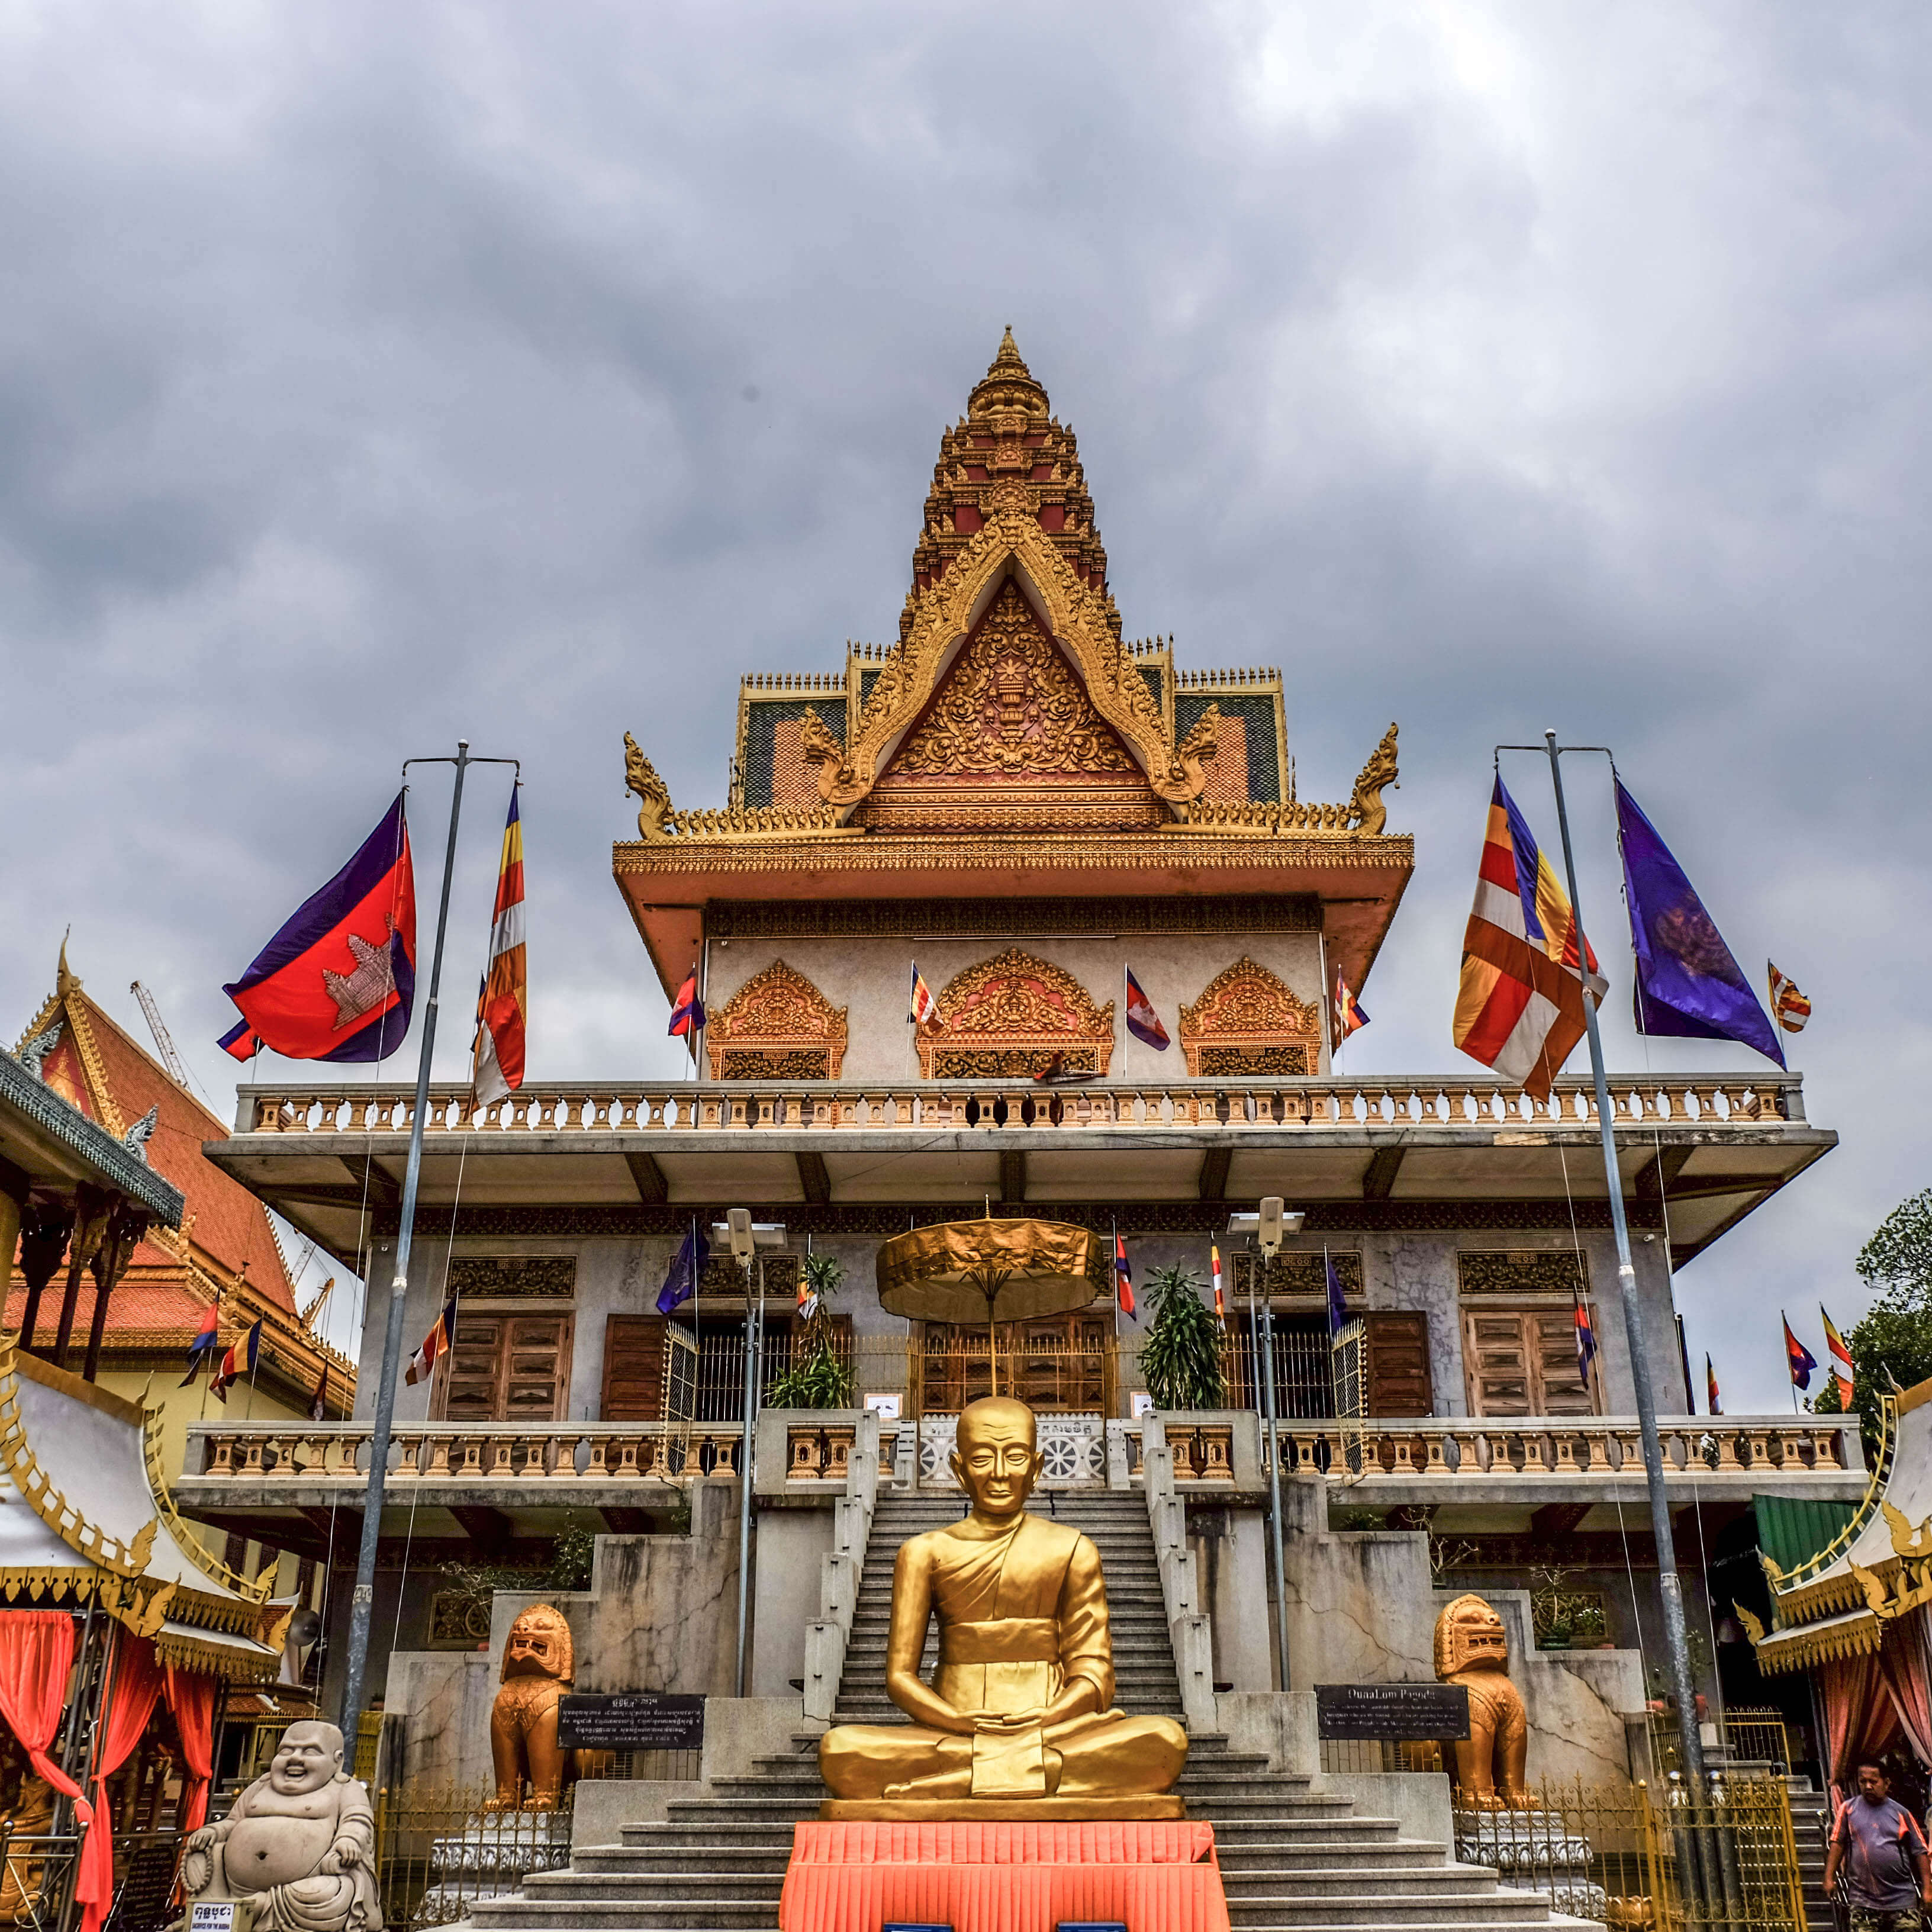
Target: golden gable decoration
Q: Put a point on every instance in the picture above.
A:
(1247, 1022)
(1010, 723)
(777, 1026)
(1010, 1017)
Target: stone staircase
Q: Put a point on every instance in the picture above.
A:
(1292, 1859)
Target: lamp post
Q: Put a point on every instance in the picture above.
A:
(746, 1237)
(1266, 1229)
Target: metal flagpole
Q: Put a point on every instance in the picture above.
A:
(1259, 1265)
(361, 1606)
(745, 1456)
(1670, 1586)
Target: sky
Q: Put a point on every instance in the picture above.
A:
(374, 375)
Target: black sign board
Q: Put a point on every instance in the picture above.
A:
(1399, 1712)
(630, 1720)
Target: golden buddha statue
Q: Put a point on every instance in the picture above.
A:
(1018, 1720)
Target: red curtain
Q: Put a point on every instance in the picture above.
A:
(1860, 1717)
(190, 1695)
(133, 1683)
(36, 1659)
(1902, 1663)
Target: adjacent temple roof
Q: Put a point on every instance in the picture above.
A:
(1010, 742)
(85, 1516)
(222, 1247)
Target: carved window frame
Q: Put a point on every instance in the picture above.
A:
(739, 1048)
(1218, 1042)
(953, 1051)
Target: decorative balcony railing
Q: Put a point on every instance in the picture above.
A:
(1219, 1453)
(1704, 1101)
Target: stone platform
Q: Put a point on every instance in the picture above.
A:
(1165, 1807)
(1004, 1876)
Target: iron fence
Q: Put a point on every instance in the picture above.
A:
(439, 1849)
(1668, 1858)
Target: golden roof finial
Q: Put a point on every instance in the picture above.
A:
(1009, 361)
(65, 981)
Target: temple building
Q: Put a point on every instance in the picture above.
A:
(1015, 807)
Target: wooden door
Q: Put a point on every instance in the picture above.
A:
(508, 1368)
(634, 1369)
(1523, 1362)
(1396, 1363)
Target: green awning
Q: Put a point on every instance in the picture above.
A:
(1792, 1530)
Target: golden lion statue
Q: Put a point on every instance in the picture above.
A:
(530, 1766)
(1472, 1649)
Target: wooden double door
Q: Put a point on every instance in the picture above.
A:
(507, 1367)
(1522, 1361)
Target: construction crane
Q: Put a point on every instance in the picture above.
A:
(163, 1045)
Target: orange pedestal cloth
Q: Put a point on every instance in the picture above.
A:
(1155, 1875)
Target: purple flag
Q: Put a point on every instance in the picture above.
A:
(1688, 985)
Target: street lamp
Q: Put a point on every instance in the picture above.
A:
(1265, 1229)
(746, 1237)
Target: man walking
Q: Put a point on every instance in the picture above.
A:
(1887, 1887)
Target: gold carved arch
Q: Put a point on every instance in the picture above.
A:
(1010, 1017)
(777, 1026)
(1010, 544)
(1248, 1021)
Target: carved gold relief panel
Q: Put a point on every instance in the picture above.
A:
(777, 1025)
(1010, 1016)
(1247, 1020)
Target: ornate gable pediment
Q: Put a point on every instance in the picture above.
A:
(1009, 723)
(778, 1025)
(1009, 1017)
(1248, 1021)
(1011, 557)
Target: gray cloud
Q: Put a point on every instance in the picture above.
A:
(369, 376)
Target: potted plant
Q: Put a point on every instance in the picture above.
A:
(1181, 1356)
(817, 1378)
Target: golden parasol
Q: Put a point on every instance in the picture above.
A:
(968, 1272)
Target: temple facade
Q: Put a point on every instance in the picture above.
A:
(1016, 807)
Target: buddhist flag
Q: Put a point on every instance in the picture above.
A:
(1797, 1358)
(338, 980)
(1789, 1006)
(1839, 1356)
(925, 1009)
(1688, 985)
(206, 1337)
(1713, 1401)
(1220, 1304)
(687, 1013)
(240, 1360)
(318, 1403)
(1143, 1022)
(503, 1004)
(1124, 1280)
(1526, 968)
(1345, 1015)
(436, 1345)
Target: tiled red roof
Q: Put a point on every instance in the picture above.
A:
(230, 1223)
(162, 1311)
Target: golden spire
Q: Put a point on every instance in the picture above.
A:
(1008, 361)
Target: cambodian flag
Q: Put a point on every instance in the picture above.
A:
(1799, 1358)
(1124, 1281)
(1586, 1344)
(338, 981)
(206, 1337)
(1143, 1022)
(687, 1015)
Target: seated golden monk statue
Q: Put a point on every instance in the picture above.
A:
(298, 1847)
(1018, 1720)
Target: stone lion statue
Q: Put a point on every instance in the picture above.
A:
(298, 1847)
(538, 1665)
(1472, 1649)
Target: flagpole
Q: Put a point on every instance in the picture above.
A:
(362, 1603)
(1670, 1586)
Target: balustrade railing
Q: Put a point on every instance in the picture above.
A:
(1706, 1101)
